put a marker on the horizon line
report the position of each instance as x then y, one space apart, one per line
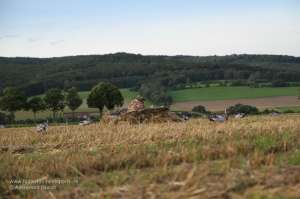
166 55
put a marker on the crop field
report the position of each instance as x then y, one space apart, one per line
286 102
224 93
254 157
185 99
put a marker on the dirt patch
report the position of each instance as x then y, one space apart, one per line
267 102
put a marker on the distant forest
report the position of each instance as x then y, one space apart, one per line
37 75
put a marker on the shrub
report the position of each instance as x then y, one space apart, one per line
237 83
289 111
268 111
199 109
279 84
241 108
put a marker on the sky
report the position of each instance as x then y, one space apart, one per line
52 28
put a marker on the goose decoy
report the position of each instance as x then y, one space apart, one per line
218 118
85 122
185 115
239 115
42 128
275 113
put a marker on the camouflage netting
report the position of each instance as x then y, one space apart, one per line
146 115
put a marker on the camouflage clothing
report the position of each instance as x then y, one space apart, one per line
135 105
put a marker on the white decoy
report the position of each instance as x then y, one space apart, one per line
42 128
274 114
219 118
85 122
239 115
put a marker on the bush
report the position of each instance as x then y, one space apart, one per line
237 83
268 111
199 109
279 84
289 111
254 85
241 108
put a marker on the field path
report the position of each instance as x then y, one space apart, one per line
266 102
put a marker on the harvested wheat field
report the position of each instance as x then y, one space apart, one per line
254 157
217 105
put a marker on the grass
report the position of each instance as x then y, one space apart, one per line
255 157
223 93
291 108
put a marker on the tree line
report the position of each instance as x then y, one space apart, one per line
103 95
37 75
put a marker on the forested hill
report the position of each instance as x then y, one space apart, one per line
36 75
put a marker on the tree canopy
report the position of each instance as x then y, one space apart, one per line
54 100
37 75
73 100
156 93
35 104
105 95
12 100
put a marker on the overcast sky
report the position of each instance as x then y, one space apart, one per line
47 28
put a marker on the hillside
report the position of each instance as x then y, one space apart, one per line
36 75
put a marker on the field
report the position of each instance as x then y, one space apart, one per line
281 103
187 98
225 93
218 98
255 157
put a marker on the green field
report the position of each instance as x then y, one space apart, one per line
224 93
193 94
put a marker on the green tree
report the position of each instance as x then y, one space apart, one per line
105 95
12 100
73 100
36 104
54 100
156 93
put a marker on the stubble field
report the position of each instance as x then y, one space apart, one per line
254 157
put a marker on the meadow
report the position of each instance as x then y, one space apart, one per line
193 95
254 157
